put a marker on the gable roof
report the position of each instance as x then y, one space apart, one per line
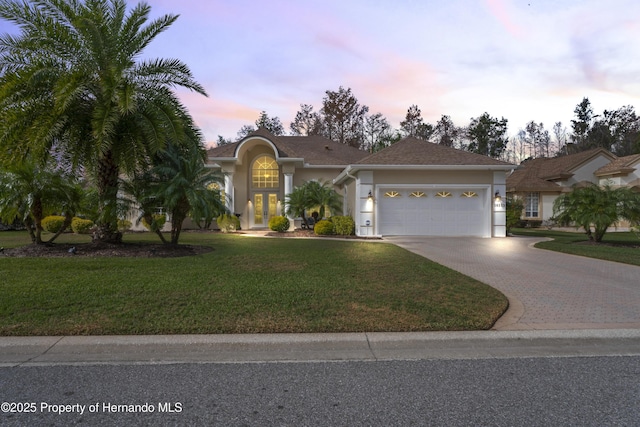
539 174
621 165
414 151
315 149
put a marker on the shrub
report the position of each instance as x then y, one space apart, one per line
158 222
514 212
81 226
228 222
52 223
279 224
124 225
323 228
344 225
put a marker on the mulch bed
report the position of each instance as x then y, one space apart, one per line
139 250
93 250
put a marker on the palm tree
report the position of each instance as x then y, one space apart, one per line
140 194
30 193
184 184
311 195
72 78
597 206
323 196
297 203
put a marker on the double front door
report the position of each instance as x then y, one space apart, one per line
265 206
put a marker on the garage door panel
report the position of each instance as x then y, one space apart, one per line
431 215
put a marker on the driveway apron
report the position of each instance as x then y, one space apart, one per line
546 290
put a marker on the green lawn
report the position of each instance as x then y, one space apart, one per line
620 246
245 285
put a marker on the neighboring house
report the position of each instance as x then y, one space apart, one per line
538 182
413 187
622 172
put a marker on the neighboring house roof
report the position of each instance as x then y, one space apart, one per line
620 166
414 151
539 174
315 149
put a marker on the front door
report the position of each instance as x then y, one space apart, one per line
265 205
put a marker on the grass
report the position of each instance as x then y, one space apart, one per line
619 246
245 285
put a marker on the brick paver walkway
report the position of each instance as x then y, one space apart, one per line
546 290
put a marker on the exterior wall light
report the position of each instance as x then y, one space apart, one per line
497 196
370 196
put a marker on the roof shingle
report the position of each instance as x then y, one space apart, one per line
315 150
414 151
538 174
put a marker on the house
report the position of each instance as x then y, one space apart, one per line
538 182
413 187
622 172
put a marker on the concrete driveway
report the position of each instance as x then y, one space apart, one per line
546 290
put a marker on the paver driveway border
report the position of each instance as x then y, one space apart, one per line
546 289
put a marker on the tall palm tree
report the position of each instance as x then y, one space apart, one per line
73 78
184 184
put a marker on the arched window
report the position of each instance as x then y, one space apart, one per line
265 173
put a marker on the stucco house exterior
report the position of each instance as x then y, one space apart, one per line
622 172
413 187
538 182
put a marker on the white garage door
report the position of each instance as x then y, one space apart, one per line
433 212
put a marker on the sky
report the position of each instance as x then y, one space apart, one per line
518 59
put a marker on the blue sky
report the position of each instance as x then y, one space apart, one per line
519 59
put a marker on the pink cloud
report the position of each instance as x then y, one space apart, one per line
500 11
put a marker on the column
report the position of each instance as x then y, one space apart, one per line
288 189
228 191
499 205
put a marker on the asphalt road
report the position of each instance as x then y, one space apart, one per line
540 391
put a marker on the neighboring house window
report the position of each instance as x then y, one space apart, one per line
265 173
531 205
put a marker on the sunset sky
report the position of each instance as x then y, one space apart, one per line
519 59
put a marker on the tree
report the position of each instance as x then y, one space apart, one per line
538 139
560 134
297 204
487 135
30 193
244 131
272 124
515 207
143 198
581 125
597 206
376 127
624 127
414 126
445 132
73 77
223 141
343 117
307 122
321 195
313 195
184 186
388 138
